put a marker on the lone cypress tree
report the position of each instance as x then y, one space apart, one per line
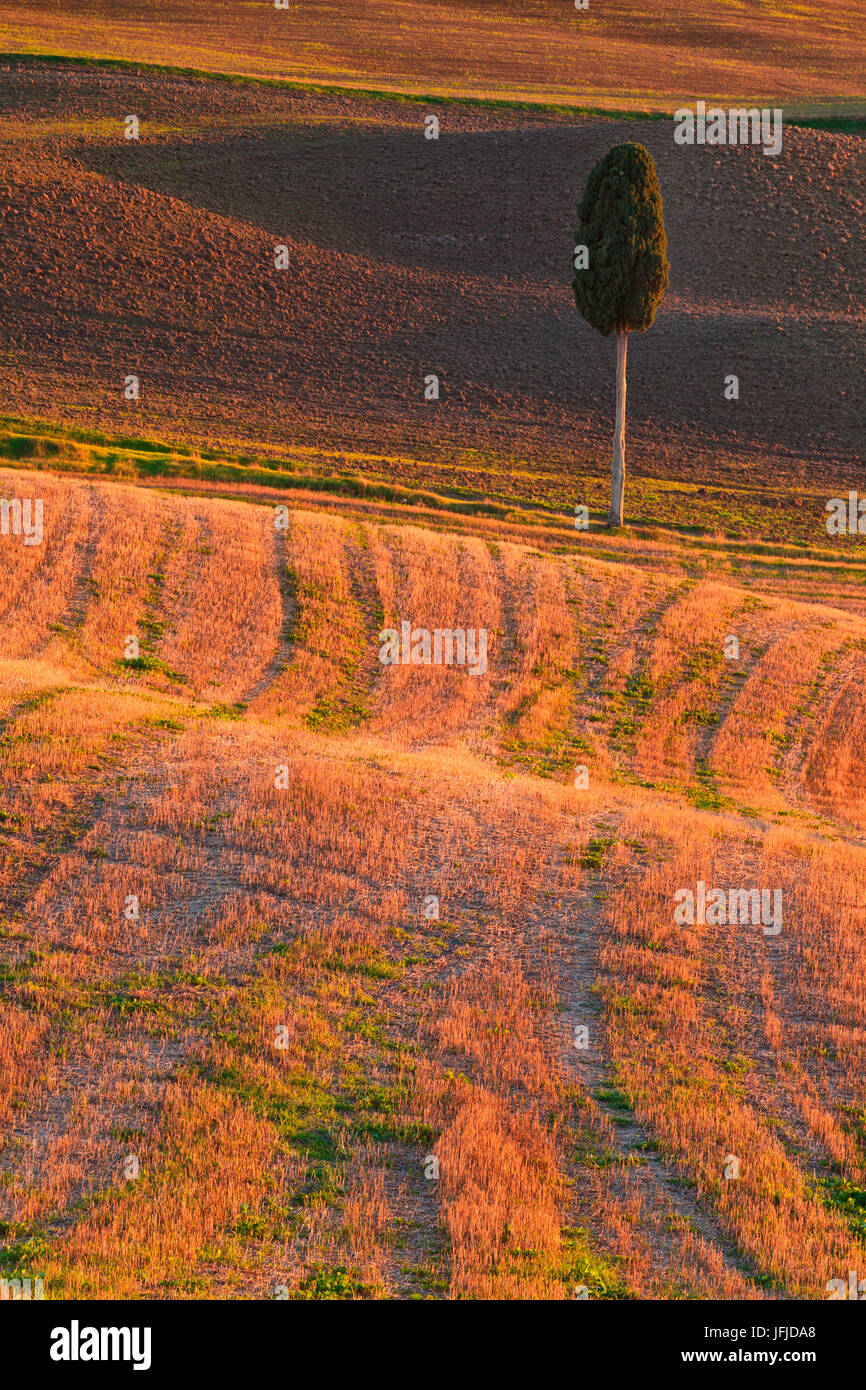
621 275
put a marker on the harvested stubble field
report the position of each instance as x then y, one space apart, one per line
240 1087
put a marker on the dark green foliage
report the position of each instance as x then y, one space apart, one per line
621 223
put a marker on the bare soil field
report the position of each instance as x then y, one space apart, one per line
156 258
618 54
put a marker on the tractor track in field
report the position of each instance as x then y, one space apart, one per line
285 646
664 1194
82 592
846 669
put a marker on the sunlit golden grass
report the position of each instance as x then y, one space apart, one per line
283 924
688 1066
537 701
610 58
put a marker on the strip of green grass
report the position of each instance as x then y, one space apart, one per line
836 122
38 445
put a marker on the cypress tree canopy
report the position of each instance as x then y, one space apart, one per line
621 223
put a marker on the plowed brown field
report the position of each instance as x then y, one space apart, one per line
409 256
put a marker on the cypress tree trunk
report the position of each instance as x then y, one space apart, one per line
618 472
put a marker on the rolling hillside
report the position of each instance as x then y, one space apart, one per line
282 924
618 54
155 258
406 891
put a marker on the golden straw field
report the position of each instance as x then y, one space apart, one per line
311 938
